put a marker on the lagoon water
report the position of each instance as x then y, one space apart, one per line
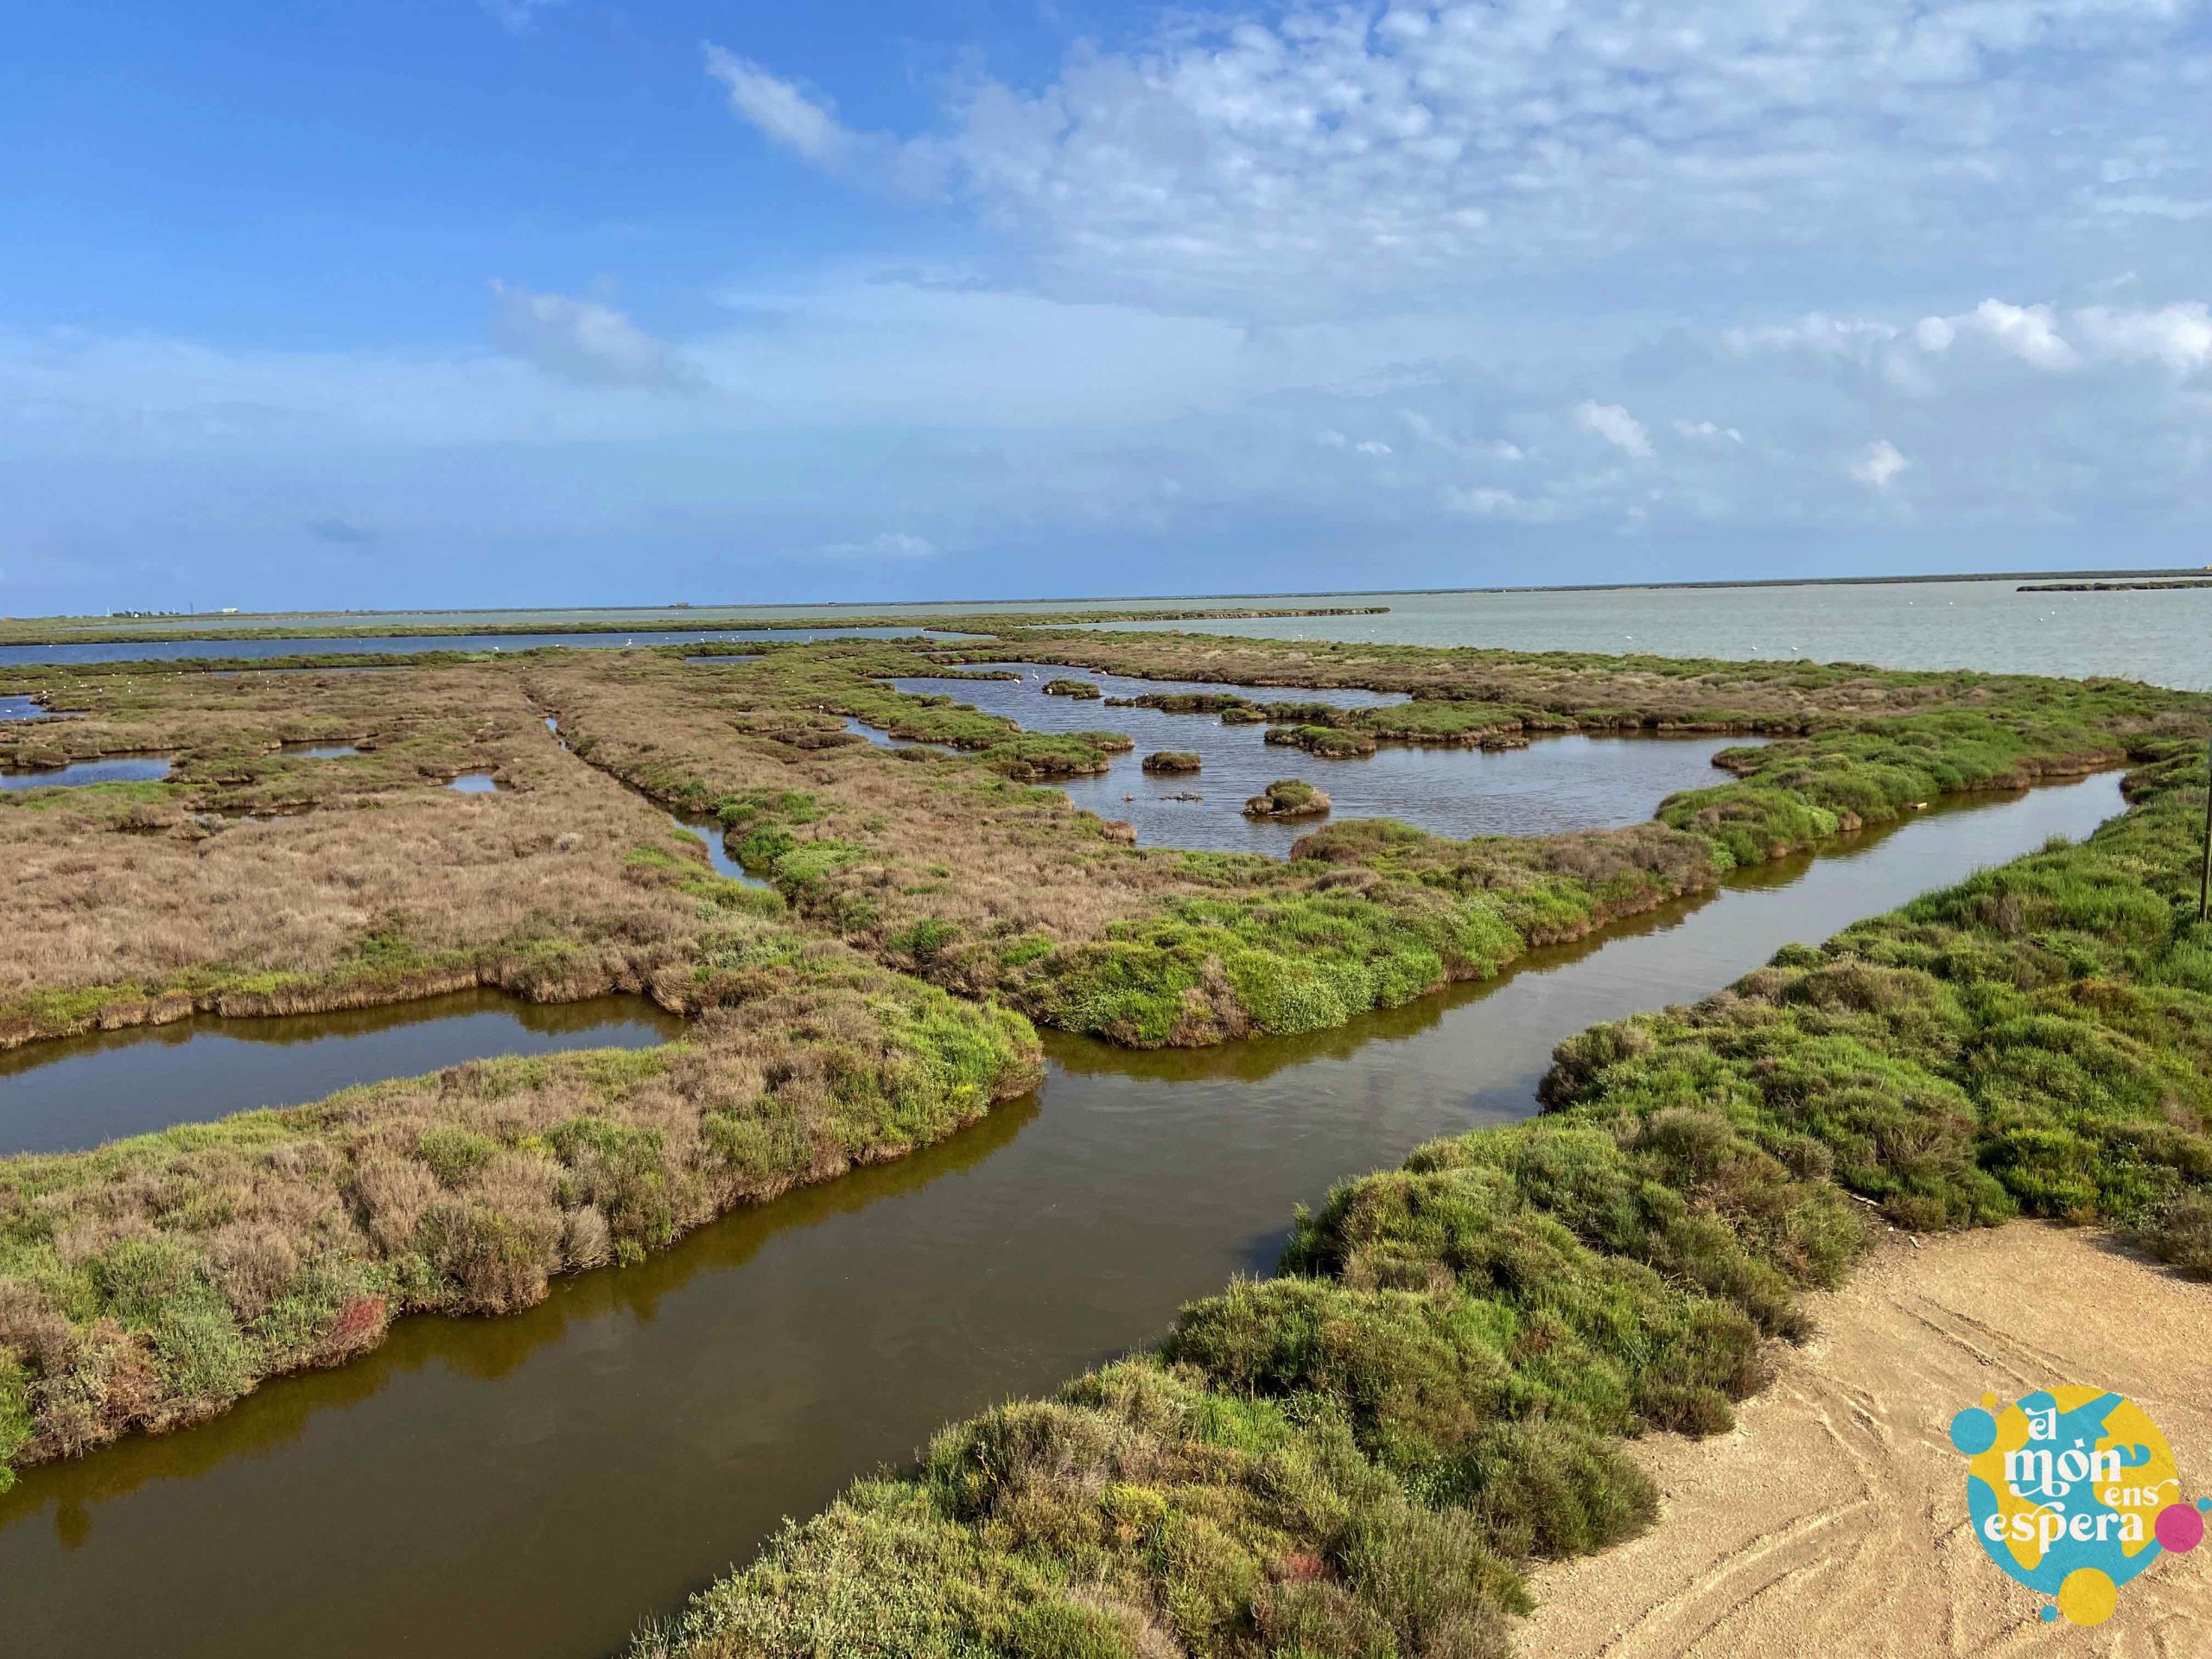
1556 783
2163 638
532 1485
215 646
80 1091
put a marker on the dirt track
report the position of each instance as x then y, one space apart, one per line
1834 1520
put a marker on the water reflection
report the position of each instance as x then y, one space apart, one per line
1556 783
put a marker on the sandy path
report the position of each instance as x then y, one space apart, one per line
1834 1520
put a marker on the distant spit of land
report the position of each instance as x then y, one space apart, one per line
2112 586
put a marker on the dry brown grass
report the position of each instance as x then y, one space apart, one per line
142 901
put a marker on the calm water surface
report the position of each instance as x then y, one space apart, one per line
118 769
2164 637
1556 783
2159 637
530 1486
80 1091
159 651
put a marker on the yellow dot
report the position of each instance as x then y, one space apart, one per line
2087 1597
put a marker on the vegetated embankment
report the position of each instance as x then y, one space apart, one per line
154 1281
1363 1456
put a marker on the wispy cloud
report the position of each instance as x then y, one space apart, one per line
1616 426
580 341
517 16
805 123
784 113
1879 467
890 545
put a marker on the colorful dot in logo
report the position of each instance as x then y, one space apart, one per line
2180 1526
2087 1597
1973 1431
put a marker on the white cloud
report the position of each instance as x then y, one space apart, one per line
1855 337
2178 336
1452 443
580 341
784 114
2027 332
2152 206
1616 426
1878 467
1935 334
891 544
517 16
1487 501
1707 432
1273 164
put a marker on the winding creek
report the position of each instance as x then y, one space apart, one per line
532 1485
78 1091
710 833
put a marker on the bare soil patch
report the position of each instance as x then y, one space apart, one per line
1833 1519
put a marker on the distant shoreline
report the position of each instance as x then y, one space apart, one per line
708 616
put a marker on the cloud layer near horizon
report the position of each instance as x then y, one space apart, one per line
1456 276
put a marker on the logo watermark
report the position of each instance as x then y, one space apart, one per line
2074 1492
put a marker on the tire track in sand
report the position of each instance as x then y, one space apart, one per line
1832 1519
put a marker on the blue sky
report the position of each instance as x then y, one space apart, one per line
492 302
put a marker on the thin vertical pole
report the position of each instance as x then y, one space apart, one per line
2204 881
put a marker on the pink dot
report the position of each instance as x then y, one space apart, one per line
2181 1528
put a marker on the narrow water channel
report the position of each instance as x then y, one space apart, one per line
118 769
711 834
532 1485
80 1091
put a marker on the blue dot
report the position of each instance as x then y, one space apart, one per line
2050 1615
2205 1502
1973 1431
